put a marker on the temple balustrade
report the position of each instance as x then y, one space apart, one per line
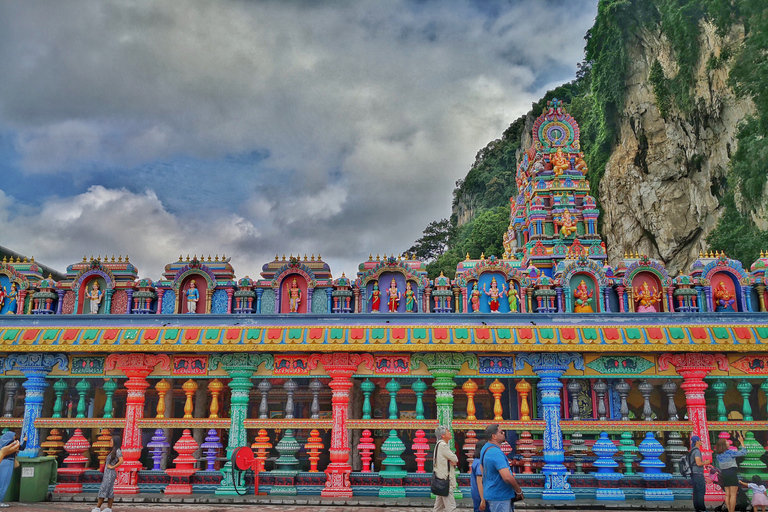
592 420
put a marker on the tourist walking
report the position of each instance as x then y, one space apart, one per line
726 461
9 448
476 479
111 463
444 466
697 474
500 489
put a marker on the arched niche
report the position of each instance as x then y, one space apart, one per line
485 283
654 288
201 283
385 282
285 293
725 292
84 303
10 294
592 289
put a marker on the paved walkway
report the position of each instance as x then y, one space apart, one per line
212 503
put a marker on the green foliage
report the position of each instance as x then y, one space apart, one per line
660 85
434 241
737 235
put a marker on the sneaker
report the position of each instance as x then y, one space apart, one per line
96 509
107 509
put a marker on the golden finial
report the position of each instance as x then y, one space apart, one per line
291 256
120 258
92 257
209 258
762 255
276 257
441 274
482 255
398 257
33 259
370 257
283 256
467 259
50 276
700 254
318 257
26 260
113 258
378 258
312 258
223 257
5 258
126 258
711 255
187 257
305 257
343 274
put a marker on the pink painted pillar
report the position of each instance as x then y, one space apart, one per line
693 367
620 290
230 292
136 367
340 367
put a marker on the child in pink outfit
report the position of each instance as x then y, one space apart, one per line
759 497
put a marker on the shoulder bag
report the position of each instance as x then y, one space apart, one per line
439 486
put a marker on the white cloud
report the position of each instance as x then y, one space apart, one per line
367 111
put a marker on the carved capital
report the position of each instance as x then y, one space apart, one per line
693 362
241 361
444 363
549 362
36 362
340 362
137 364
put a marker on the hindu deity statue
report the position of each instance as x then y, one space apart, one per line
2 296
294 296
560 162
475 299
583 297
508 242
647 299
192 297
724 299
513 298
394 296
375 298
410 298
494 294
95 296
10 297
567 224
581 165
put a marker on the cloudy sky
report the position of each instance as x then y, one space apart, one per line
254 128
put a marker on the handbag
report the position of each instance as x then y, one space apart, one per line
439 486
16 463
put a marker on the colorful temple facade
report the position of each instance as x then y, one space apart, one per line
338 383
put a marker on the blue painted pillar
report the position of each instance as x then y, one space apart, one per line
35 368
550 367
259 293
747 298
329 297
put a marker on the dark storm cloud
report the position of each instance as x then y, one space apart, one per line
349 121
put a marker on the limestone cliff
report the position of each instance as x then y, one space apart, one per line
661 190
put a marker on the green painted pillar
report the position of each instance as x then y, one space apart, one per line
719 387
367 387
109 389
744 387
287 465
83 387
393 448
60 387
444 367
240 367
419 387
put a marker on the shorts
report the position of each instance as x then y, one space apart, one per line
729 477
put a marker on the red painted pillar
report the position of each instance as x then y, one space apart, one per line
340 367
136 367
230 293
693 367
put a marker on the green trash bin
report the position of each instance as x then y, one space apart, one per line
37 473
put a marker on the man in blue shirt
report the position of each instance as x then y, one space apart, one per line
499 484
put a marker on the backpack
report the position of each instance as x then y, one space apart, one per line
684 465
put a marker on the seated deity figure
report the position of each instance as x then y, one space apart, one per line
375 298
513 298
294 296
647 300
494 294
394 296
567 224
475 299
2 296
581 165
583 297
95 296
192 297
724 299
10 296
560 163
410 298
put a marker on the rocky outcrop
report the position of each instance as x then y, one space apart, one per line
662 186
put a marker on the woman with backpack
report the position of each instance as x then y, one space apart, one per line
726 461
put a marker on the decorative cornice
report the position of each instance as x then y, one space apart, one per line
693 361
36 362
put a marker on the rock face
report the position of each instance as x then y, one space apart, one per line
661 189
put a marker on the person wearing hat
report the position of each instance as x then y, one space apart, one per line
697 475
